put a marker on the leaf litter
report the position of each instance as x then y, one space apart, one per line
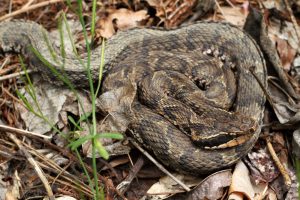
256 183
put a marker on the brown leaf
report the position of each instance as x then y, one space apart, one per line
286 53
235 15
212 187
242 187
122 19
167 186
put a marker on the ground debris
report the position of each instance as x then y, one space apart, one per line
256 177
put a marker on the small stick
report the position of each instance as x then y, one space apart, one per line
17 74
220 9
231 4
10 95
10 6
7 59
28 4
162 168
124 185
282 169
8 69
22 132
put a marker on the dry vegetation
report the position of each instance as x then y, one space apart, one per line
268 172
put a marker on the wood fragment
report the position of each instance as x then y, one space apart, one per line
282 169
17 74
22 132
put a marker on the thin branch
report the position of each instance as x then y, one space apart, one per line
17 74
28 4
282 169
220 9
32 7
21 132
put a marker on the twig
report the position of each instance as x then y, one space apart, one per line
283 171
10 6
10 95
8 69
231 4
220 9
124 185
21 132
32 7
9 76
36 167
28 4
162 168
7 59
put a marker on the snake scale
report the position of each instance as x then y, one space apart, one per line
198 106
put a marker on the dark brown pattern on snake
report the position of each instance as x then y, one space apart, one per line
198 107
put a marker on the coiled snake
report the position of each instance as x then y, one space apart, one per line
198 106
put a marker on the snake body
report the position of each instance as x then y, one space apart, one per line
198 106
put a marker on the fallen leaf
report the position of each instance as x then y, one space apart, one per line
212 187
286 53
50 102
242 187
262 161
234 15
126 19
122 19
116 104
167 186
241 183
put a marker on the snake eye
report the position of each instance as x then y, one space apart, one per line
202 84
244 127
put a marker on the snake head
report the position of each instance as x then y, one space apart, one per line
231 135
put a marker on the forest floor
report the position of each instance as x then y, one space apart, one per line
36 160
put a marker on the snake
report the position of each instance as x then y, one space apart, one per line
199 100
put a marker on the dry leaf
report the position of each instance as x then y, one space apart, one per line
234 15
50 101
126 19
262 161
167 186
116 104
286 53
242 187
212 187
122 18
241 183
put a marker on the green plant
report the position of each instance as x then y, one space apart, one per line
93 136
